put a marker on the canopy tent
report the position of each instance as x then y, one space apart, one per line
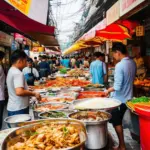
116 32
75 47
22 23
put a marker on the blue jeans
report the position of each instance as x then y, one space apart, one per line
22 111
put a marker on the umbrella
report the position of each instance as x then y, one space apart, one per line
131 25
114 32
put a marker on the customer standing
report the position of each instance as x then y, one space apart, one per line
2 88
30 73
96 69
124 76
18 102
44 67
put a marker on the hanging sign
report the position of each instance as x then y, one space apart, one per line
21 5
127 5
140 31
112 14
18 37
5 39
34 9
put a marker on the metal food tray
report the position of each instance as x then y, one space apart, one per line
13 135
37 112
90 99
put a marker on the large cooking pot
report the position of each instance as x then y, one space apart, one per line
96 131
13 136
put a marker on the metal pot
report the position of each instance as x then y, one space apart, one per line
97 136
97 132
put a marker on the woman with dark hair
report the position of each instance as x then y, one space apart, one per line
2 88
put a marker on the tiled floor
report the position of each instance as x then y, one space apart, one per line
130 143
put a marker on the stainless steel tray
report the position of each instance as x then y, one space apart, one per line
77 102
35 112
13 135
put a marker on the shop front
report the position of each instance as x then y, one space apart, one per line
5 46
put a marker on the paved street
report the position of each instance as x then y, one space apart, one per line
130 143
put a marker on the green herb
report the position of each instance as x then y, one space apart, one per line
141 99
65 131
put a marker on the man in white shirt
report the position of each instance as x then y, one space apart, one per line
18 102
30 73
2 88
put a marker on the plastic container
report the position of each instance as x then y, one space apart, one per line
144 118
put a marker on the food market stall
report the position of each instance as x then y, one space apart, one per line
61 107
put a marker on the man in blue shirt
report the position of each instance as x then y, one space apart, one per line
66 62
124 76
97 70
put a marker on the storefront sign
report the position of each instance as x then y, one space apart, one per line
140 31
5 39
21 5
113 13
18 37
127 5
34 9
38 49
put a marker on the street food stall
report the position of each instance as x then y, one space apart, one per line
71 109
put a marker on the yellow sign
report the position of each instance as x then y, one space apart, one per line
140 31
21 5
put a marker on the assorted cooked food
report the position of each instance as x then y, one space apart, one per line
46 137
145 82
90 94
87 116
76 73
56 99
49 107
64 82
53 114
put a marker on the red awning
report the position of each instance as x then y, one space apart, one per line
14 18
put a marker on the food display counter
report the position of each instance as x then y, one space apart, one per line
63 101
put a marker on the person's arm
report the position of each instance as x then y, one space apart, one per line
118 80
20 91
105 73
19 84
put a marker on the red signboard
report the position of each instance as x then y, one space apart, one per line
127 5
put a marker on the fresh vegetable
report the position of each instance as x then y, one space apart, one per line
141 99
63 70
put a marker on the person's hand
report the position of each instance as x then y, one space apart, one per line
106 92
38 96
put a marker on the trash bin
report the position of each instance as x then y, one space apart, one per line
144 118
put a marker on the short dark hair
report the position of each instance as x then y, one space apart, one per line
119 47
2 55
97 54
35 57
18 54
30 60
